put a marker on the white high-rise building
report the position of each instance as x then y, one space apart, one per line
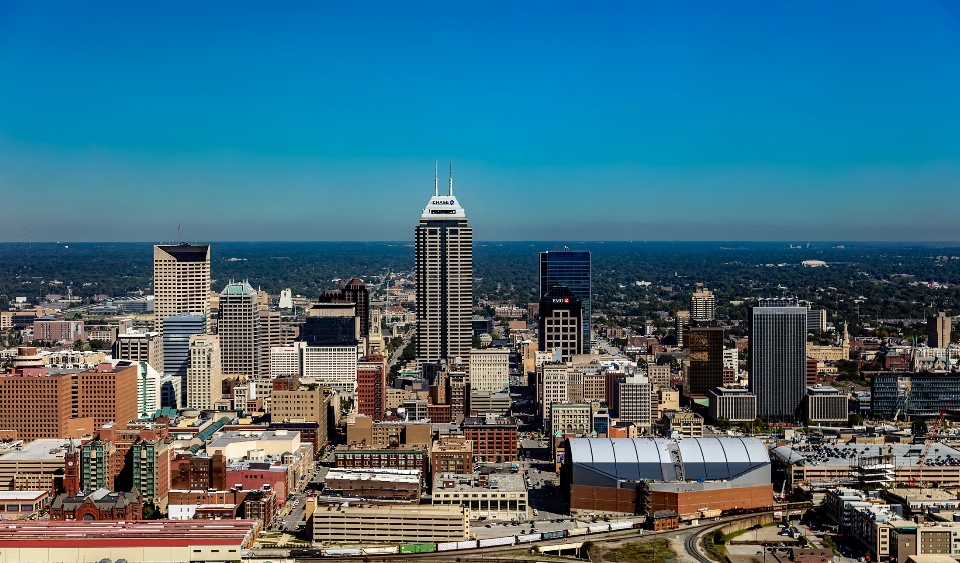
490 369
635 400
703 305
181 281
204 377
239 330
443 248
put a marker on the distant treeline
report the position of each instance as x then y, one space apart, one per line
862 282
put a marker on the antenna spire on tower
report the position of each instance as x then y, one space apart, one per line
436 172
451 177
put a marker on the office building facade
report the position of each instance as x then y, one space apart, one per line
177 330
239 330
571 269
778 358
181 281
204 376
355 291
703 358
489 369
560 323
443 257
734 404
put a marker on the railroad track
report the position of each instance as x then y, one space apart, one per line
690 545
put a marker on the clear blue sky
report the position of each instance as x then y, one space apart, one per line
593 121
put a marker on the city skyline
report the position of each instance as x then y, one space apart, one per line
774 122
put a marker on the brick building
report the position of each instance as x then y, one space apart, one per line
371 386
495 439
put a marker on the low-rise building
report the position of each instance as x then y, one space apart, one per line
366 457
498 496
390 524
732 404
826 405
684 424
400 486
155 541
97 505
452 455
16 505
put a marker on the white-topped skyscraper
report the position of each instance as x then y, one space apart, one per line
444 276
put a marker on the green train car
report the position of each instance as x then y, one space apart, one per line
418 547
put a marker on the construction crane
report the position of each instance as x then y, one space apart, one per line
929 443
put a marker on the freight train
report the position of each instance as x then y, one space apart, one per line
432 547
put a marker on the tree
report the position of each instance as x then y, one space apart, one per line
78 345
855 420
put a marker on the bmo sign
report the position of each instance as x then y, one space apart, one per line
561 300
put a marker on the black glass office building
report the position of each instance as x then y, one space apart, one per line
569 268
778 358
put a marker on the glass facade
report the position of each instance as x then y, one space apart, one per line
778 358
570 268
921 395
177 331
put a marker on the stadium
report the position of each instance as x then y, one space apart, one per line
645 475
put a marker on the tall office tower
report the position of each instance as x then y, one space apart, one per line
271 336
778 357
181 281
239 330
634 392
681 323
354 292
560 322
177 330
443 249
372 386
490 369
938 331
204 376
703 306
704 358
570 268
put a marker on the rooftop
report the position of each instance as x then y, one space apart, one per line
847 454
385 475
505 482
43 449
44 533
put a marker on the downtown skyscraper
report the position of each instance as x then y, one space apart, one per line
181 281
571 269
443 245
778 357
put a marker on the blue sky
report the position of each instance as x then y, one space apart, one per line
591 121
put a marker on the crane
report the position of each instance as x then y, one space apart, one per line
929 443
